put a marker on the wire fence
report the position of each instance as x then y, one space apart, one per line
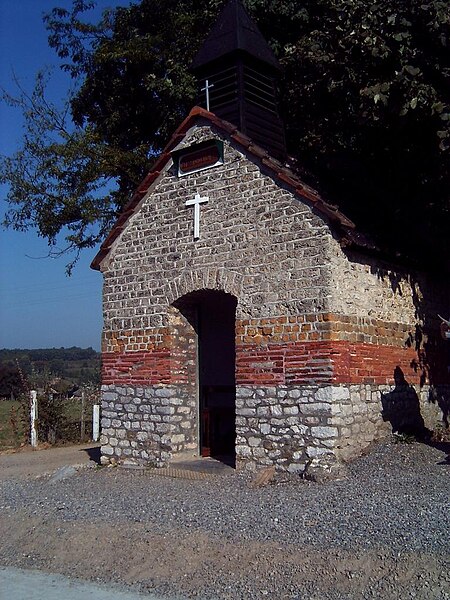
54 419
67 419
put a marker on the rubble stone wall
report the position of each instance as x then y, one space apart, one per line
285 426
147 425
319 332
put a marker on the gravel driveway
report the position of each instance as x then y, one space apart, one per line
381 532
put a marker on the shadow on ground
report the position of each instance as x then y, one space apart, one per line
93 453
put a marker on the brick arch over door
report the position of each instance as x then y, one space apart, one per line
221 279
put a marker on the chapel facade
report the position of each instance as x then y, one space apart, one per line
243 315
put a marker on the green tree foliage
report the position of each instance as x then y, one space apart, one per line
366 102
368 105
60 179
10 382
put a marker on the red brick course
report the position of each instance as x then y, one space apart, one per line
137 368
300 350
301 363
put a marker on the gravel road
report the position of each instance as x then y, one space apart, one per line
381 532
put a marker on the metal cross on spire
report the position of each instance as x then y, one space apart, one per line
206 89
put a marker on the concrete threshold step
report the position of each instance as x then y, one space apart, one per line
199 469
182 473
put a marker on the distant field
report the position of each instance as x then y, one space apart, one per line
7 437
64 368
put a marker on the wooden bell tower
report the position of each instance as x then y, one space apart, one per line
237 75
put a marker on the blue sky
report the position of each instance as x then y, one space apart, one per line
40 307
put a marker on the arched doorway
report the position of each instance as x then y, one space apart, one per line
212 314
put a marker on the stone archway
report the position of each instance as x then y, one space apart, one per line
212 315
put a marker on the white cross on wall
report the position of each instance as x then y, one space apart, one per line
195 202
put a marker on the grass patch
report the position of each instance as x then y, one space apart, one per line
11 435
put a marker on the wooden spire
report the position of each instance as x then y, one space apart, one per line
237 76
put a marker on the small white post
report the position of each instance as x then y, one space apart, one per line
95 422
83 407
33 418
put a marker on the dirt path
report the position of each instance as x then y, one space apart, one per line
196 564
33 463
220 538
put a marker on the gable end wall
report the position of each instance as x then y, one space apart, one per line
317 335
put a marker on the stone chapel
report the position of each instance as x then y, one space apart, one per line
246 317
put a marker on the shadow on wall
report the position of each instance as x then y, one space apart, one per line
401 407
430 295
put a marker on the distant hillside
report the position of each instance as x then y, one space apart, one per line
62 368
